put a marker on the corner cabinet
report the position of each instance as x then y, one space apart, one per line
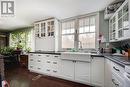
47 33
119 23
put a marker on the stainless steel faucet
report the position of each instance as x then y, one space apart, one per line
80 44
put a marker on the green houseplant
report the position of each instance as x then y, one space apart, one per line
7 50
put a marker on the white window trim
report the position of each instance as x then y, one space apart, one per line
76 18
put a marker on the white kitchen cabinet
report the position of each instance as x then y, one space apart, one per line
67 69
46 35
36 62
45 64
76 67
108 73
117 81
40 62
97 71
48 62
45 44
31 62
82 71
56 65
119 23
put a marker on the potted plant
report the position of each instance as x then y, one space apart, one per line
6 50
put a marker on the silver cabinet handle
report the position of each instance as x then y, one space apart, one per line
31 66
47 55
39 55
39 68
116 69
31 54
38 60
31 59
55 71
47 70
113 80
56 56
54 62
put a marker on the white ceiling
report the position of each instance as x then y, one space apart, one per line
28 11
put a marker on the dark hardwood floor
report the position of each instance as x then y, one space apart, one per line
21 77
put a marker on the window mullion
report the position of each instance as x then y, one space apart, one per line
76 39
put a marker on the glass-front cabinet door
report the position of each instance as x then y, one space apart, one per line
126 16
123 21
50 28
43 29
112 28
37 29
119 23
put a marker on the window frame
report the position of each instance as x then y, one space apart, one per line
76 34
68 34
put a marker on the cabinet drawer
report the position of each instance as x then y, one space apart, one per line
31 67
117 69
31 55
55 72
117 81
40 55
86 58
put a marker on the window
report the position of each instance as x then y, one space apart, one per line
85 35
87 32
23 37
68 30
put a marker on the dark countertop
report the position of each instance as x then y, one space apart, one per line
47 52
121 60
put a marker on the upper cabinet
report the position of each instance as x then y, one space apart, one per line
45 28
119 23
47 33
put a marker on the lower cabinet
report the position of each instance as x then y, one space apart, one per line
44 64
67 69
87 72
82 71
108 73
76 71
97 71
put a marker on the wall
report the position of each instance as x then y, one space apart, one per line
103 27
4 39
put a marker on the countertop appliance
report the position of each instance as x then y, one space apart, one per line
127 76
